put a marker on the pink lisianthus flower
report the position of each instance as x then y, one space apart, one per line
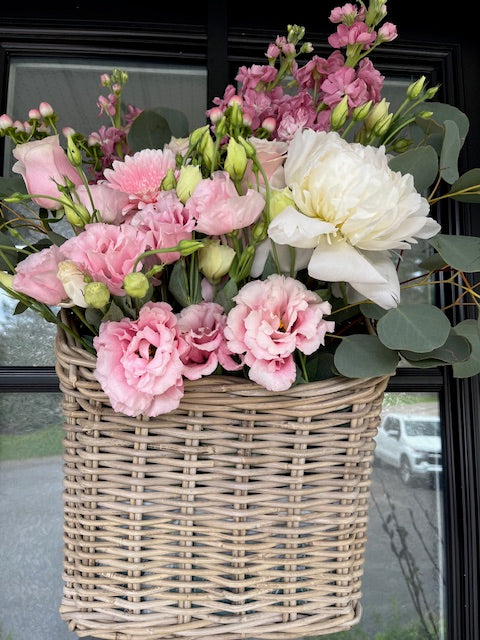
203 345
217 207
141 174
42 164
138 362
106 252
109 202
36 276
164 223
271 319
271 155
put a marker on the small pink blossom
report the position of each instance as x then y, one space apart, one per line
217 207
34 114
106 252
109 202
141 174
203 345
372 78
357 33
348 13
138 362
164 223
46 109
272 52
36 276
252 77
344 82
271 318
387 32
5 122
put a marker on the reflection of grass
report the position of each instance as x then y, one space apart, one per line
36 444
5 637
394 399
413 631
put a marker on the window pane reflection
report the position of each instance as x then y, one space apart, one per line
404 579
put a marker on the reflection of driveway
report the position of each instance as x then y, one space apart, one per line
31 550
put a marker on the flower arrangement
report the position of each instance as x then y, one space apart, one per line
266 244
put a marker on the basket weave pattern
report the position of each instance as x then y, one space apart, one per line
242 514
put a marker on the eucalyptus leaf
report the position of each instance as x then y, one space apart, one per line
114 313
460 252
178 283
269 267
8 186
20 308
471 367
421 162
9 256
149 130
226 294
456 349
414 327
429 126
469 181
371 310
433 262
443 112
450 152
321 366
363 356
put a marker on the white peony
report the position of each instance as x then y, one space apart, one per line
352 209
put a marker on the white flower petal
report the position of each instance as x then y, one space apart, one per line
302 257
298 230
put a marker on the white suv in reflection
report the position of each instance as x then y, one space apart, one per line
411 444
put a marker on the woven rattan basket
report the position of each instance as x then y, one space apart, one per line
242 514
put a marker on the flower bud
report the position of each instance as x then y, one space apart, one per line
379 110
259 231
73 281
416 88
362 111
280 199
169 181
104 79
207 149
425 114
34 114
6 280
215 259
339 114
46 109
186 247
76 214
269 124
73 153
381 127
96 295
236 114
249 148
401 145
430 93
190 176
136 284
68 131
5 122
216 114
236 160
198 134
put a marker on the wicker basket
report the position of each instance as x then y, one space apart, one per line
242 514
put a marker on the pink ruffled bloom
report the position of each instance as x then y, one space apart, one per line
164 223
345 82
141 174
217 207
357 33
257 74
271 319
387 32
372 78
36 276
109 202
106 253
271 155
201 327
138 362
347 12
42 164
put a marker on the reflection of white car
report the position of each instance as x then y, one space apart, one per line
411 444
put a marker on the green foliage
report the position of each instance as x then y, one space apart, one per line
36 444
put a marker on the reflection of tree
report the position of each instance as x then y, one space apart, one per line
27 412
398 536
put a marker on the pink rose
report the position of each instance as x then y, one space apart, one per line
201 328
105 252
36 276
41 164
271 319
138 362
164 223
217 207
108 201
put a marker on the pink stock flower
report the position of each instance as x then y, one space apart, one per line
164 223
138 362
109 202
257 74
348 12
272 318
36 276
42 164
201 328
372 78
106 252
357 33
387 32
344 82
217 207
141 174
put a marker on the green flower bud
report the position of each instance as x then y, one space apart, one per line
136 284
6 280
215 259
430 93
379 110
190 176
425 114
207 149
17 197
236 114
280 199
259 231
249 148
362 111
186 247
197 135
381 127
401 145
416 88
73 153
236 160
339 114
169 181
96 295
76 214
